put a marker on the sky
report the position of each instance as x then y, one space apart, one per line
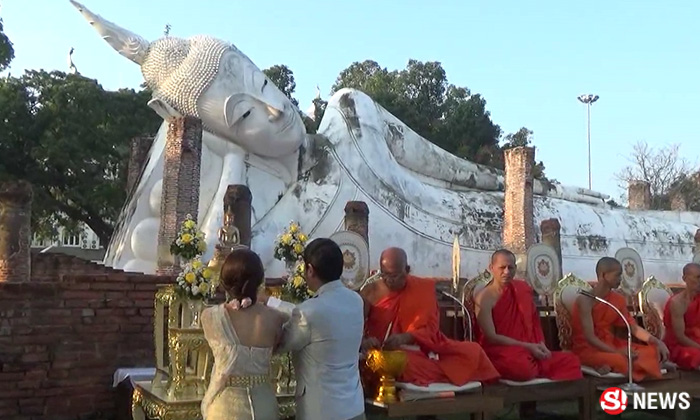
530 60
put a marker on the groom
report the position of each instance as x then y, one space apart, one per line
324 335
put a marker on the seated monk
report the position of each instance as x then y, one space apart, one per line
682 321
599 335
404 309
510 330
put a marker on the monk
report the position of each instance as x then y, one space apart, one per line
510 329
599 335
682 321
403 308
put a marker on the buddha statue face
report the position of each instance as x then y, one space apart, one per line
258 116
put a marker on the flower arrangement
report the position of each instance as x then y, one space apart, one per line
289 245
195 280
189 242
296 289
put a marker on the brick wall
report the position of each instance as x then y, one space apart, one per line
65 332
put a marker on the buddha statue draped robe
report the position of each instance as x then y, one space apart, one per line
685 357
605 320
433 358
516 316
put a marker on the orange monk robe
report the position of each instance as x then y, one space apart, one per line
414 310
685 357
605 319
516 316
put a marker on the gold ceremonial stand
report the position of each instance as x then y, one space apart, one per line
183 367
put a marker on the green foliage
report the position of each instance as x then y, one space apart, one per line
283 78
7 53
522 138
70 138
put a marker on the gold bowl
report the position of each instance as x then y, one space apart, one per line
389 365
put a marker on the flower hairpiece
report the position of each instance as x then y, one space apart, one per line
236 304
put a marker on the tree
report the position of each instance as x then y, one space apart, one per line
70 138
664 169
420 96
523 138
7 53
283 78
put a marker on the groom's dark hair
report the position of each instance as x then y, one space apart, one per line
325 257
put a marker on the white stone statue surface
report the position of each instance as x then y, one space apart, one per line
419 195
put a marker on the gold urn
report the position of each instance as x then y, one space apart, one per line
389 365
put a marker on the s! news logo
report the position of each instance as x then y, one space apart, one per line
614 401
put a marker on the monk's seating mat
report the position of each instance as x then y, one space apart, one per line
440 387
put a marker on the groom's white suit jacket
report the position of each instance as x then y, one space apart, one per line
324 334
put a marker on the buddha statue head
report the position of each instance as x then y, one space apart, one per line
212 80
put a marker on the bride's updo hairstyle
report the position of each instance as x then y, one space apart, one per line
242 273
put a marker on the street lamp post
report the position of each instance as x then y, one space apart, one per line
589 100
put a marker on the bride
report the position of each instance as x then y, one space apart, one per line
242 337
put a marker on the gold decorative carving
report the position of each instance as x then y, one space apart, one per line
190 362
156 407
562 312
652 316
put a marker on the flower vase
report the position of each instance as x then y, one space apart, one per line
195 306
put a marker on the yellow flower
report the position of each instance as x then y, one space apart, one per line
298 248
202 246
196 264
298 281
189 224
186 238
293 227
302 237
286 239
206 273
190 277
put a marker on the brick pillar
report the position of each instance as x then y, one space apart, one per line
15 231
238 200
138 153
518 217
357 218
181 166
639 195
551 235
678 202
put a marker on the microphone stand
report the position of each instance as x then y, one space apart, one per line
630 386
464 311
370 280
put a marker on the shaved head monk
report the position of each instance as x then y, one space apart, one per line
682 321
599 335
403 308
510 328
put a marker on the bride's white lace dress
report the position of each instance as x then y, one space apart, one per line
240 388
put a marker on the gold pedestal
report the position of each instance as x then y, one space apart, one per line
387 390
154 403
389 365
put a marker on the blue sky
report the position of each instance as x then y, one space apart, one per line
529 59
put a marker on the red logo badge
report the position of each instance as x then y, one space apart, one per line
613 401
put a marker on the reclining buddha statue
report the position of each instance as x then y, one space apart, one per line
419 195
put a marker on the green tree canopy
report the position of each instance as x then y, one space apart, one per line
420 95
283 78
7 53
70 138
